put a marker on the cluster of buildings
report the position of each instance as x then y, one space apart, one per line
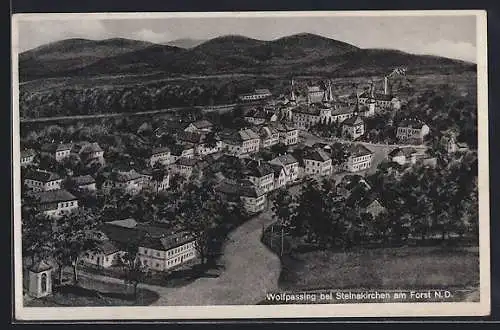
320 106
159 248
200 148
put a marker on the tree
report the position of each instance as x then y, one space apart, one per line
200 214
135 271
74 234
339 153
210 140
282 207
279 149
36 230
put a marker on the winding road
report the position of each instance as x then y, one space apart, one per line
250 271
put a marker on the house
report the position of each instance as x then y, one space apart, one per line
106 255
381 100
353 128
360 158
27 157
412 131
199 141
160 155
372 206
305 116
155 181
404 155
288 135
184 166
41 180
242 142
290 164
85 182
341 112
56 203
185 150
170 127
280 175
315 94
88 152
258 94
199 126
161 252
261 174
159 248
254 199
259 115
453 146
57 150
129 181
269 136
317 162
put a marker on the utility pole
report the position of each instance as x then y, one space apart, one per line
282 238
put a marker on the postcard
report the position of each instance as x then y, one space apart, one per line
250 165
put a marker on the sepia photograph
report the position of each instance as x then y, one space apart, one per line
250 165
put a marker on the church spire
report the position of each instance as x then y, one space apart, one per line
330 93
292 93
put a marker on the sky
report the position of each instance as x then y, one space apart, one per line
448 36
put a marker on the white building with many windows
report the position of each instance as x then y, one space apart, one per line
288 135
160 155
261 174
412 131
41 180
159 248
56 203
242 142
317 162
360 158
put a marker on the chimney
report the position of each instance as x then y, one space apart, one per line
386 87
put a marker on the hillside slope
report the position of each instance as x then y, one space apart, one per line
300 53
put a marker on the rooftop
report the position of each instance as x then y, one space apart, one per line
202 124
317 155
258 169
185 161
53 147
27 153
54 196
159 150
411 123
354 120
42 176
286 159
191 137
358 150
84 179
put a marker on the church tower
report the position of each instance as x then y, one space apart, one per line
292 93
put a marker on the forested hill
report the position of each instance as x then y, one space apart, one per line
303 52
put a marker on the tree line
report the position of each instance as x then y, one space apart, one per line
421 203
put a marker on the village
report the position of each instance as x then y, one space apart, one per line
280 146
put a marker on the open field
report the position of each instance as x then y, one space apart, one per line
382 268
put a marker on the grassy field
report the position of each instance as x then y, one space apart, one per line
95 293
382 268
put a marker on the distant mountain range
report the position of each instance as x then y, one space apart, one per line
185 43
305 53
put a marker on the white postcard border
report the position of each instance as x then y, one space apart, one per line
265 311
